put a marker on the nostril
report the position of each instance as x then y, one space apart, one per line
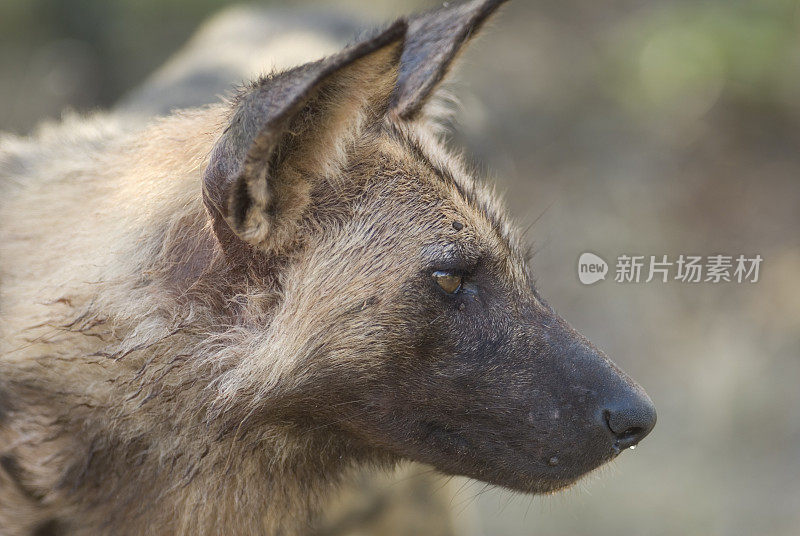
630 422
631 433
636 430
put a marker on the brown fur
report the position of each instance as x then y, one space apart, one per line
168 366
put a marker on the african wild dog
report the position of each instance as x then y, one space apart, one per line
207 321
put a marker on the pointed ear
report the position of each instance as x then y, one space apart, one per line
433 41
287 128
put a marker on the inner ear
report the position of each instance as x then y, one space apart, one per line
288 128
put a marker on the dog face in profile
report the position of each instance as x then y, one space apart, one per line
413 325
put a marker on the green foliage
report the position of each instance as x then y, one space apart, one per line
684 57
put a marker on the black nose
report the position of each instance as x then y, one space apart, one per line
630 418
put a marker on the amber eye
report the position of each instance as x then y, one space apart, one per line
449 281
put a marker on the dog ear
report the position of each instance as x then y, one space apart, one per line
286 129
433 41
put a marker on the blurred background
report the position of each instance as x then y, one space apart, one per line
620 127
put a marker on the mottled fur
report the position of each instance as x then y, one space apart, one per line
173 362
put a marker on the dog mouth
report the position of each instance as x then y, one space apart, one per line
449 440
453 452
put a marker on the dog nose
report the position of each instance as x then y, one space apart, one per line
630 418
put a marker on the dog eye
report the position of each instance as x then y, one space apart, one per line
450 282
